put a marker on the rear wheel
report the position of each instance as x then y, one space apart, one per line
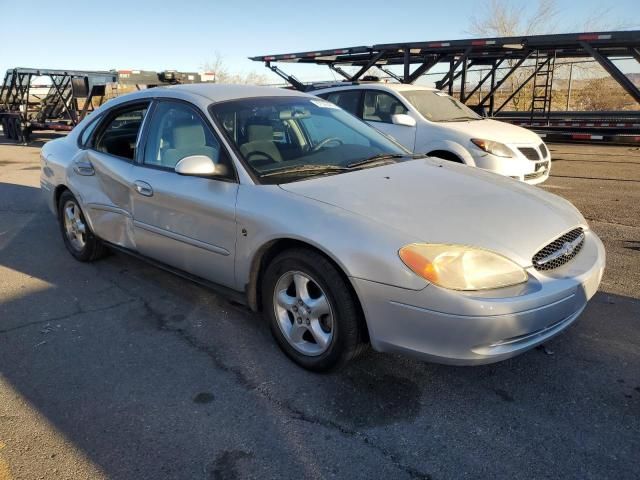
77 236
311 311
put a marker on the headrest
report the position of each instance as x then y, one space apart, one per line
188 134
258 132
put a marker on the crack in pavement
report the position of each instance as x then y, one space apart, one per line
251 386
79 311
263 392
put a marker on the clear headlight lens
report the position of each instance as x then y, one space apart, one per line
459 267
494 148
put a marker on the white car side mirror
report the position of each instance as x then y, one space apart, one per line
403 119
200 166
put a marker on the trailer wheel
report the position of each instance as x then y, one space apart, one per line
11 129
17 129
5 128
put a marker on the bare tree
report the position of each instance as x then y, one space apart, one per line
510 18
223 75
505 18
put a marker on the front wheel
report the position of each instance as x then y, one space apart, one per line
77 236
311 310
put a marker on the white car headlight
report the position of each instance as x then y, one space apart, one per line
494 148
458 267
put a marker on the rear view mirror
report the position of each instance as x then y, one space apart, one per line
403 119
200 166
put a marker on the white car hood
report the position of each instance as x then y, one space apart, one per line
442 202
494 130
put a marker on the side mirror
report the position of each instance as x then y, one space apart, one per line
403 119
200 166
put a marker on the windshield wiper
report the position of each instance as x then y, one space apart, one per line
457 119
304 168
378 158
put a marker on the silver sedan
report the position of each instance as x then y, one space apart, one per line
337 234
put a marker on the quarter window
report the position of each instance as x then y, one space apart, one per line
177 131
380 106
120 135
88 131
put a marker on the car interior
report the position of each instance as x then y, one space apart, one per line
180 133
119 137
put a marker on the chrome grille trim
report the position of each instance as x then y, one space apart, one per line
560 251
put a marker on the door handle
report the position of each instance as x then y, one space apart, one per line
143 188
83 167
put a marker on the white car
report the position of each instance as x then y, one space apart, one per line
426 120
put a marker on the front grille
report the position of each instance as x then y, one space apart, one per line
543 150
560 251
530 152
541 170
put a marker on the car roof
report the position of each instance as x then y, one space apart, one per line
398 87
215 92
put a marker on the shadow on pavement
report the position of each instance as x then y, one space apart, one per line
151 376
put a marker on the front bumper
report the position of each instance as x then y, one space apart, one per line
519 167
469 328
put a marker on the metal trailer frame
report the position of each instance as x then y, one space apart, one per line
69 100
499 54
71 96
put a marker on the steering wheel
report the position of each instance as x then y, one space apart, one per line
263 156
327 141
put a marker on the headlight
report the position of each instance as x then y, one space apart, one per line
459 267
494 148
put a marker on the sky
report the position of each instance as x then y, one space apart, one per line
186 34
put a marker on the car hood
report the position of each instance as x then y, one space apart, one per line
503 132
442 202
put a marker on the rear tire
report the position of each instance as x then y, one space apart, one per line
78 237
311 310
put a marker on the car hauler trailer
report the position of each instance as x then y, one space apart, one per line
71 95
496 60
38 99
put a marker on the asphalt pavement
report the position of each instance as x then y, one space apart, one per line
119 370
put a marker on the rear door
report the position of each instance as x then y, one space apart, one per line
184 221
105 163
378 107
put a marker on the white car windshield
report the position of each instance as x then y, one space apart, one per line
284 139
437 106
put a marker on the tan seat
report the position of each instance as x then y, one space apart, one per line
260 145
188 139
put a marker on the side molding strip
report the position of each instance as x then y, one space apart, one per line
182 238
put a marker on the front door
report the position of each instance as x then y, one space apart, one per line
377 110
186 222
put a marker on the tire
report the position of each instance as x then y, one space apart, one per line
78 237
5 128
300 327
11 129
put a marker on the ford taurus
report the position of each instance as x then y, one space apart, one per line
340 236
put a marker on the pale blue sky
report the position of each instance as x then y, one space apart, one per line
184 35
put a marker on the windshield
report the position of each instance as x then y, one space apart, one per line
284 139
437 106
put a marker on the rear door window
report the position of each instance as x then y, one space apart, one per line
348 100
119 136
